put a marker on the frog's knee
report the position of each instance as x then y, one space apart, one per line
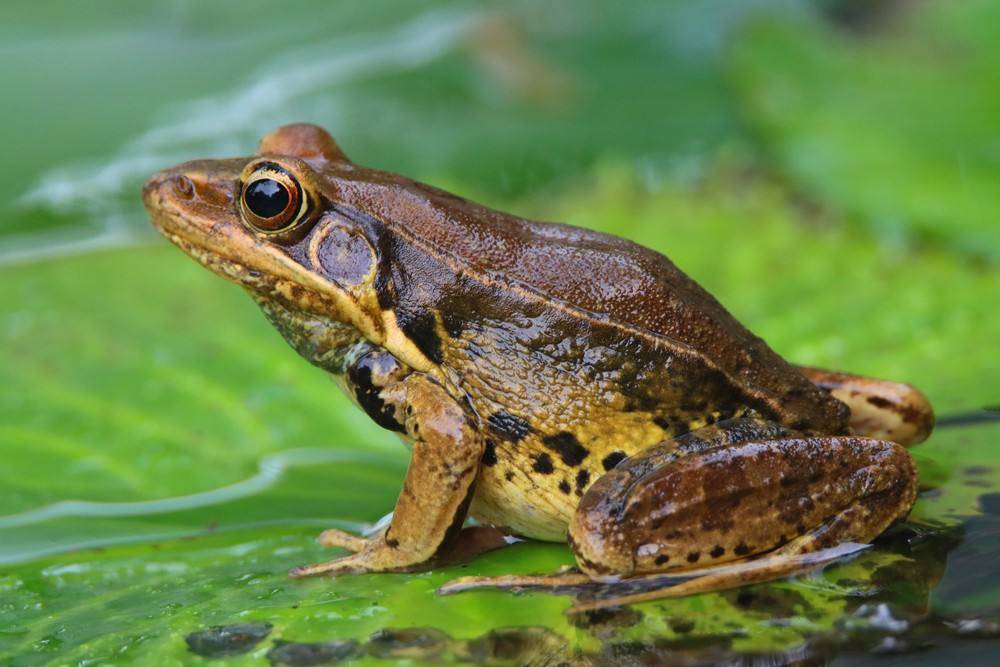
610 532
600 549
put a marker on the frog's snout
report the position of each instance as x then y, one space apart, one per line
188 201
164 185
198 185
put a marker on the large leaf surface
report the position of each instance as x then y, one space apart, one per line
166 458
138 379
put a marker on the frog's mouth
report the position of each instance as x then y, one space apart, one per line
192 206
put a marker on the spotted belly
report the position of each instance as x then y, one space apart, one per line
530 484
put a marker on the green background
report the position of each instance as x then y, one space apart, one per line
830 171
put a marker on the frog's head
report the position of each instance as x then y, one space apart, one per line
271 224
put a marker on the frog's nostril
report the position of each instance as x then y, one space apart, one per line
166 182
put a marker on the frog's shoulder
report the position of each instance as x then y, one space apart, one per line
593 275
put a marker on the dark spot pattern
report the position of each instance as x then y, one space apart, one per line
490 453
602 620
693 556
681 625
296 654
220 641
508 426
543 464
359 375
453 323
741 549
662 559
421 329
613 459
716 551
879 402
582 480
663 423
564 487
567 447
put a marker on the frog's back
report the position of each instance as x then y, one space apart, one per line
601 281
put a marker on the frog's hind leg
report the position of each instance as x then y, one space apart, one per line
743 491
779 507
733 502
779 565
879 408
842 535
722 434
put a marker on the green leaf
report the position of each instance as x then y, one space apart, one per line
167 459
898 131
506 99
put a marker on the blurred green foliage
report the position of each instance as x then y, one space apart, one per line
897 128
148 410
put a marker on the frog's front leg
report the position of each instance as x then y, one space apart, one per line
430 510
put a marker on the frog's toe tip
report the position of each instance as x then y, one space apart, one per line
312 570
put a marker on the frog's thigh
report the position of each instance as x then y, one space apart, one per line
879 408
728 503
439 482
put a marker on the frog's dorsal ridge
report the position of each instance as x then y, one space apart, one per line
640 290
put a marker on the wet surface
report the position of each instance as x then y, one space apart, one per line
295 654
423 643
926 586
887 610
873 631
983 416
221 641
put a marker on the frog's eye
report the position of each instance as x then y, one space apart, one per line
272 200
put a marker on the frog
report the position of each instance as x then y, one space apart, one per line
552 382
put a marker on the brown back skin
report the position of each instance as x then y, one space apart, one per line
439 249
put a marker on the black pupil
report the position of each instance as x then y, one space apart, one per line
266 198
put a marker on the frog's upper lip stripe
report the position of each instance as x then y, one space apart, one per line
221 246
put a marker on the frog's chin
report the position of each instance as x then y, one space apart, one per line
331 304
256 282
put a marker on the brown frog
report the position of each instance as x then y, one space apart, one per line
554 382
